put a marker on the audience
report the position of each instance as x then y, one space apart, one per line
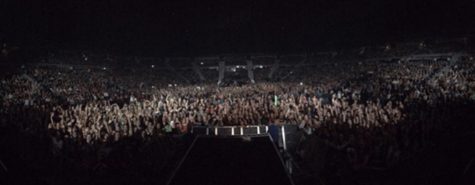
368 109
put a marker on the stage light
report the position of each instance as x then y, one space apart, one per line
202 63
388 47
153 66
301 83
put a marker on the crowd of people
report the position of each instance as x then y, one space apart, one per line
368 109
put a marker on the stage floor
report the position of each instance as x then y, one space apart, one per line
231 161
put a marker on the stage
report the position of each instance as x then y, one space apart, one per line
231 161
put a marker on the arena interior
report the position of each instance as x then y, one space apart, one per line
324 92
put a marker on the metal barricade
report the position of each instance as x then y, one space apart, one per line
250 130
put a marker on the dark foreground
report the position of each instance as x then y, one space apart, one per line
231 161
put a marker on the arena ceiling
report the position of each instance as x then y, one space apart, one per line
190 27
